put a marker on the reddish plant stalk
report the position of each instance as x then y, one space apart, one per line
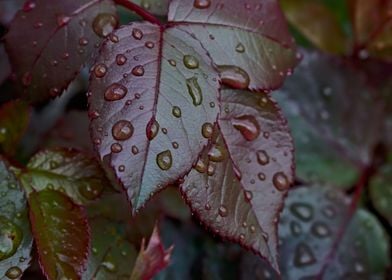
138 10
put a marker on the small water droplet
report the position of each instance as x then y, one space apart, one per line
90 191
223 211
194 91
211 169
329 212
175 145
121 59
116 148
122 130
54 91
104 24
202 4
135 150
302 211
83 41
28 6
100 70
200 166
207 207
176 111
303 255
137 34
280 181
138 71
248 126
295 228
320 229
38 25
164 160
248 195
261 176
191 62
110 266
217 153
149 44
13 272
152 129
234 77
115 92
240 48
173 62
262 157
207 130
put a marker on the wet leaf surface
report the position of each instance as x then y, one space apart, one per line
67 171
61 232
15 235
59 38
238 185
157 7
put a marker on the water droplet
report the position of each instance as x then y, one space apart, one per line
114 38
207 130
121 59
176 112
121 168
320 229
172 62
234 77
302 211
248 126
100 70
54 91
135 150
116 148
194 91
202 4
111 267
165 160
83 41
211 169
303 255
91 191
252 229
115 92
329 212
248 195
217 153
62 20
137 34
122 130
280 181
13 272
223 211
28 6
10 238
200 166
262 157
152 129
240 48
295 228
104 24
175 145
149 44
38 25
191 62
138 71
261 176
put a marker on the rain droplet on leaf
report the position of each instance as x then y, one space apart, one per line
280 181
104 24
13 272
165 160
10 238
122 130
302 211
115 92
191 62
152 129
248 126
194 91
234 77
303 255
176 111
202 4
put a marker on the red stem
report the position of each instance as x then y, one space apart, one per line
139 10
363 181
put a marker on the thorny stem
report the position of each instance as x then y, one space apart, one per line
367 173
138 10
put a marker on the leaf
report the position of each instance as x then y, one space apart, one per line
61 232
8 9
238 186
14 120
251 50
5 68
151 259
58 39
157 7
68 171
147 115
330 106
311 222
319 25
15 235
111 255
381 192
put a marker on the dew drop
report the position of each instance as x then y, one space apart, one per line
194 91
54 91
223 211
13 272
175 145
262 157
176 111
121 59
137 34
104 24
295 228
303 255
62 20
202 4
116 148
302 211
115 92
164 160
261 176
217 153
234 77
100 70
38 25
122 130
10 238
240 48
191 62
211 169
138 71
91 192
135 150
172 62
200 166
152 129
280 181
28 6
207 207
109 266
83 41
320 229
149 44
207 130
248 126
248 195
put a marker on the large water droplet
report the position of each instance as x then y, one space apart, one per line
302 211
202 4
234 77
248 126
13 272
138 71
104 24
191 62
122 130
217 153
262 157
115 92
152 129
100 70
121 59
165 160
10 238
280 181
194 91
303 255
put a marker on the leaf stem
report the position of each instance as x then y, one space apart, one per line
138 10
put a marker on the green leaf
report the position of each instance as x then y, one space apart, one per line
238 185
152 259
61 232
66 170
14 120
15 235
317 23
